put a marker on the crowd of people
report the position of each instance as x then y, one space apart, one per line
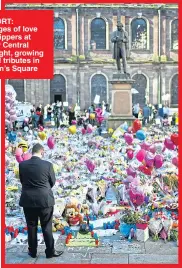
150 112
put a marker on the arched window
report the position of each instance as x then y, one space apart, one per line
58 88
138 34
18 86
59 33
99 87
174 34
98 33
174 90
140 85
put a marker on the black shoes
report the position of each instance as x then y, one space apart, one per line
55 254
32 255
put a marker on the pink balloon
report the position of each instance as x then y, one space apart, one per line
12 112
149 159
84 131
27 156
152 149
19 159
18 152
128 138
26 119
130 130
131 171
6 144
158 161
169 144
140 155
13 118
89 130
51 142
73 122
41 128
175 161
130 154
8 106
145 146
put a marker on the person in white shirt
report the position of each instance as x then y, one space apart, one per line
136 110
166 111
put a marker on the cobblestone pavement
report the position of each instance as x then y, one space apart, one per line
112 251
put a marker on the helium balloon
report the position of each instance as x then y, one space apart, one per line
23 145
92 116
72 129
140 134
51 142
35 133
158 161
41 128
130 154
128 138
18 152
140 155
89 129
27 156
130 130
175 161
174 138
131 171
74 122
26 120
169 144
42 135
152 149
145 170
12 112
136 125
13 118
12 136
149 159
19 159
84 131
26 129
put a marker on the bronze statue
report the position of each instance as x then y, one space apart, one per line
121 49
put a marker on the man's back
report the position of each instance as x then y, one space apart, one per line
37 178
146 111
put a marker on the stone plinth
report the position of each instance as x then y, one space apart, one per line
121 101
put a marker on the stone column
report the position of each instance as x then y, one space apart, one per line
121 101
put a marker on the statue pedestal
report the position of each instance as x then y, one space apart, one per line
121 101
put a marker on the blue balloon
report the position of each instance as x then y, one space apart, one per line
12 136
140 134
35 133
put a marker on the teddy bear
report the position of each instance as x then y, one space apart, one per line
58 224
73 216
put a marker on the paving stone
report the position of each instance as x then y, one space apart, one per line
41 249
19 258
109 258
151 258
161 248
88 249
128 247
66 258
13 248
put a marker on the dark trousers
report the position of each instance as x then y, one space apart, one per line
144 120
45 215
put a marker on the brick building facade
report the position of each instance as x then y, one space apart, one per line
83 63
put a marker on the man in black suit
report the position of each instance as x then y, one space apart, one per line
37 178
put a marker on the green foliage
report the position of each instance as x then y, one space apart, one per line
131 217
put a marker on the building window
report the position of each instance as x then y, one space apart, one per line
174 90
174 34
140 85
138 34
58 88
18 86
59 33
99 87
98 33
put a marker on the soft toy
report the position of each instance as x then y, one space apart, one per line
58 225
85 209
59 208
73 217
23 145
